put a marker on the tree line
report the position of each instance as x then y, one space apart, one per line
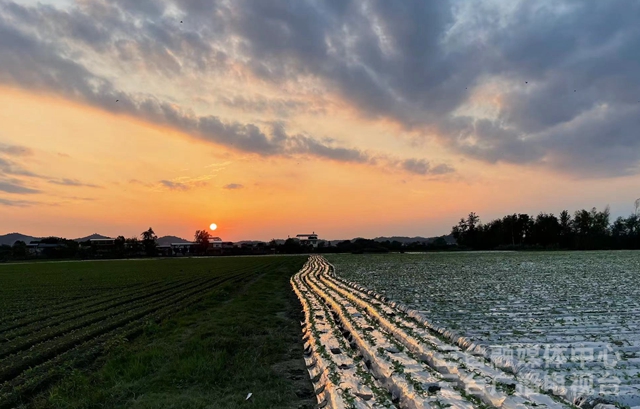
358 246
582 230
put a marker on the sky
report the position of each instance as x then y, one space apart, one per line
346 118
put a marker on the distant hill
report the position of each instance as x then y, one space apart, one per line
94 236
163 241
407 240
253 242
9 239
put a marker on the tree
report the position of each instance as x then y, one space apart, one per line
202 238
5 252
587 229
119 246
472 221
566 230
459 232
546 230
132 246
633 231
19 249
439 243
149 242
292 246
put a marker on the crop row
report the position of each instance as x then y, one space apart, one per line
54 317
39 368
98 317
49 310
13 365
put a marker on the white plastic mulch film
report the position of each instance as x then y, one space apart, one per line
566 323
361 351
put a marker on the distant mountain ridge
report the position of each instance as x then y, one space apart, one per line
408 240
94 236
9 239
164 240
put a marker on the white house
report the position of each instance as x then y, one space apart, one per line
308 239
216 242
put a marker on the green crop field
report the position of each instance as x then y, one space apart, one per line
184 333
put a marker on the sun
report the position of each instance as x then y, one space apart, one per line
213 226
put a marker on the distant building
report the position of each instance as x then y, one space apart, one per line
254 248
102 242
103 245
164 250
35 248
308 239
183 249
215 242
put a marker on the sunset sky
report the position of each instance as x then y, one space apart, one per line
347 118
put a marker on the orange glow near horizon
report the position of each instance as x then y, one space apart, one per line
132 175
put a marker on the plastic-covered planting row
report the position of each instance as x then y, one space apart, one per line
527 385
512 295
459 288
410 383
416 366
472 374
519 314
340 378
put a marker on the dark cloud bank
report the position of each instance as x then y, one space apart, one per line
569 70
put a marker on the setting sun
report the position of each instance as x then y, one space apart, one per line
213 226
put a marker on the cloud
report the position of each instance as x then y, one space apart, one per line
234 186
16 186
139 182
15 150
420 62
28 61
184 183
174 185
82 199
424 64
9 167
280 106
420 167
442 169
72 182
17 203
